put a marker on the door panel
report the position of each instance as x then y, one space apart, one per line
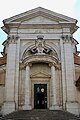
40 96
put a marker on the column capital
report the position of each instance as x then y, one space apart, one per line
57 66
12 39
67 38
23 65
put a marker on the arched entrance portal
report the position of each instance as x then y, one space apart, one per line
40 74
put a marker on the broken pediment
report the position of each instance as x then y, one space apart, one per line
40 75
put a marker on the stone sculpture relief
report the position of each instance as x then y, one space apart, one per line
40 47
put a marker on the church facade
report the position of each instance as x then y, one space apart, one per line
40 67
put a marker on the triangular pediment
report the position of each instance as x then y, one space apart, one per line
38 14
40 75
39 20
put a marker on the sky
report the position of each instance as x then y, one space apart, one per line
9 8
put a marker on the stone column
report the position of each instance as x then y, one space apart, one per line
53 101
71 104
9 104
27 105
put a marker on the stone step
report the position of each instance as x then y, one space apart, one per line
40 115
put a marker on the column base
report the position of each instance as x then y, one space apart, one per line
72 107
8 107
27 107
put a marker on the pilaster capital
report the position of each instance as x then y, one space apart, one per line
67 38
23 65
12 39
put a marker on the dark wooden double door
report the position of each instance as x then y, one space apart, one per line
40 96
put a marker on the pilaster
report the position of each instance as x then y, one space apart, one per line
17 74
9 104
69 75
63 73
